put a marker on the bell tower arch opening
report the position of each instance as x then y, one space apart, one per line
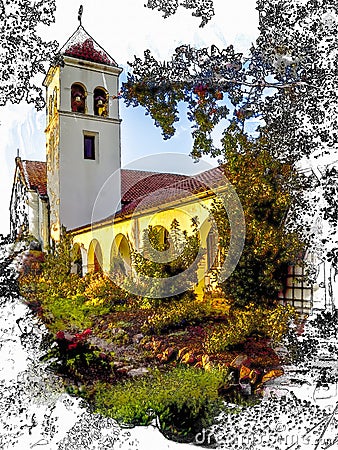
78 98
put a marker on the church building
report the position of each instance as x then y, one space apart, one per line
82 187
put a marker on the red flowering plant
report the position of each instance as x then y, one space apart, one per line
68 341
79 359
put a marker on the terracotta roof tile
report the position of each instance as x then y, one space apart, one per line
35 175
140 189
158 194
137 183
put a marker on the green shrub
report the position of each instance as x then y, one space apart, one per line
184 399
240 324
100 288
73 313
177 313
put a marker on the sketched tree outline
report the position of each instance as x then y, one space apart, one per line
23 54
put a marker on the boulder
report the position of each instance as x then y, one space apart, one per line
138 372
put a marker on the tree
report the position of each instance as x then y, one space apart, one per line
215 84
202 8
166 268
287 81
302 125
23 53
266 188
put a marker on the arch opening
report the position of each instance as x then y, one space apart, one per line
95 260
77 263
120 256
100 102
78 98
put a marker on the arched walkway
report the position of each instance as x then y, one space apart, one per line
77 264
120 255
95 261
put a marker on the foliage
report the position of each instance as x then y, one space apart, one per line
287 82
272 323
101 289
267 190
176 314
65 300
325 324
9 287
185 399
161 259
215 84
66 313
75 356
24 52
202 8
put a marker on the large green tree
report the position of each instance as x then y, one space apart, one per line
287 81
266 188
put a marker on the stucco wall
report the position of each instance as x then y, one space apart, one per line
132 229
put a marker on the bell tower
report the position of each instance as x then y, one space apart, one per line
82 132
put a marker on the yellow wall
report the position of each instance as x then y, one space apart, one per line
132 227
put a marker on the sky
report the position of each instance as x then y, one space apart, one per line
123 29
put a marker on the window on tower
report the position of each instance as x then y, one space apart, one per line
78 98
100 102
89 147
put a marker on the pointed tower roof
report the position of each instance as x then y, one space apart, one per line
81 45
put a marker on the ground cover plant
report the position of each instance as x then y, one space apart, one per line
179 357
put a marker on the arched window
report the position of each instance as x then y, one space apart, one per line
100 102
162 235
78 98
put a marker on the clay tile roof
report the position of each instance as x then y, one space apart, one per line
140 189
35 175
137 183
159 189
81 45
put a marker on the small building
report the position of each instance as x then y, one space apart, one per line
29 207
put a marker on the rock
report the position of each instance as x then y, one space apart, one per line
137 338
118 364
138 372
272 374
253 376
188 358
244 373
246 387
124 370
181 352
239 361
